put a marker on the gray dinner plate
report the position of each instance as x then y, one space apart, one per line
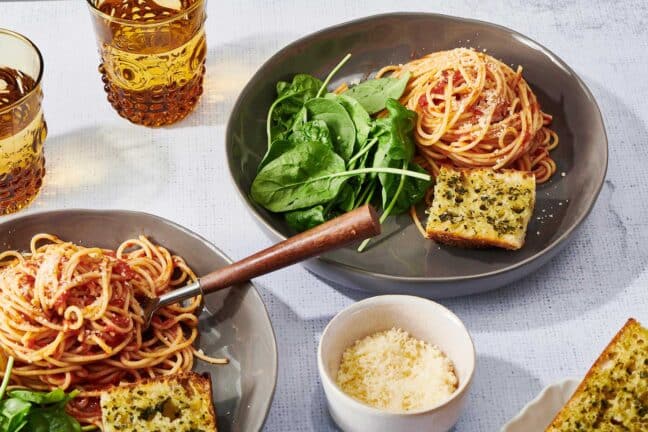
401 261
233 324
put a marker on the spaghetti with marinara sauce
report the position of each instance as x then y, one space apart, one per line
475 111
71 317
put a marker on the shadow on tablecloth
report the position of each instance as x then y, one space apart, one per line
229 67
103 167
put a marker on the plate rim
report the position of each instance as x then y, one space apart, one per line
43 213
534 403
565 236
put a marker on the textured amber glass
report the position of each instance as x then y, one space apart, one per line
152 57
22 125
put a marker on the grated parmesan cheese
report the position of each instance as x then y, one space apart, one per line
394 372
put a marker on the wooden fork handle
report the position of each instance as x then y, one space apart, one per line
358 224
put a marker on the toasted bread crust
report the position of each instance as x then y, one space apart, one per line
470 243
202 380
206 383
562 415
524 174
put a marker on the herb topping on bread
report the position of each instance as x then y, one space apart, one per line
178 403
481 207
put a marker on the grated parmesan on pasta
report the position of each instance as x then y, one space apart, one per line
395 372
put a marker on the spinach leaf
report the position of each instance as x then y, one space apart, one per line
301 84
351 194
338 121
300 118
14 412
395 150
308 175
411 192
366 194
289 104
326 155
399 193
397 130
276 149
302 220
315 130
54 396
52 419
373 94
346 200
32 411
38 422
294 193
299 178
361 119
359 160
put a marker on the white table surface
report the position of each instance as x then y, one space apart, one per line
549 326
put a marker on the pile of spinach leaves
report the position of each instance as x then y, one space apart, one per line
327 156
29 411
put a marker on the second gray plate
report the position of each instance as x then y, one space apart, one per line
234 323
401 261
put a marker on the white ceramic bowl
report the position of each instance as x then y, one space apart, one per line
424 320
540 412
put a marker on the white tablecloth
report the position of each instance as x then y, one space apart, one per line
530 334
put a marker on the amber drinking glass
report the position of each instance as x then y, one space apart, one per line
152 56
22 125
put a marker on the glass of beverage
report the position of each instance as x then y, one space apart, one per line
152 56
22 125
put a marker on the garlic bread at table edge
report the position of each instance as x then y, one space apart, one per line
613 396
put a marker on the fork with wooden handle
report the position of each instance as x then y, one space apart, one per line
358 224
